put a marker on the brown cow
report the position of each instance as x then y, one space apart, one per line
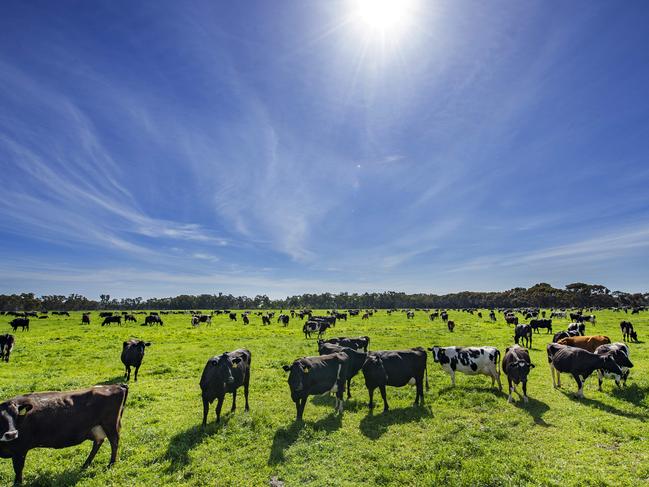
61 420
589 343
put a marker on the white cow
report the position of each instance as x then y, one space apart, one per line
470 361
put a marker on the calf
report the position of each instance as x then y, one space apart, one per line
516 366
580 364
536 324
351 342
132 355
395 368
7 342
317 375
225 374
620 353
23 323
112 319
589 343
450 324
356 360
628 333
469 360
60 420
523 332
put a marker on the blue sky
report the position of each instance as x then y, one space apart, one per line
160 148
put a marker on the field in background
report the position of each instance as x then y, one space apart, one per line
468 435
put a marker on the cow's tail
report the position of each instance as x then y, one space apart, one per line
124 388
498 361
426 372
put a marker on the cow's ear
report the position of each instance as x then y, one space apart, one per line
124 344
147 344
23 409
532 366
306 369
286 368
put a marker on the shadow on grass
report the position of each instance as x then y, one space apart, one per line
534 408
69 477
118 379
604 407
633 393
181 444
373 426
285 437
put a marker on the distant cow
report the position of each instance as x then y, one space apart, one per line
628 333
130 317
317 375
60 420
284 319
432 316
85 319
580 328
410 315
620 353
516 366
314 326
589 343
132 355
511 319
492 315
352 342
395 368
558 314
579 363
23 323
207 319
356 360
103 314
112 319
564 334
233 316
246 320
153 320
450 324
523 332
7 342
536 324
265 320
224 374
469 360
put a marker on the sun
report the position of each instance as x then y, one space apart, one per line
388 18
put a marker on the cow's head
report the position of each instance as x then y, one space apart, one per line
436 351
11 414
621 358
610 365
297 373
519 370
220 368
634 336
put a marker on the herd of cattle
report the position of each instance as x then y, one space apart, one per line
94 414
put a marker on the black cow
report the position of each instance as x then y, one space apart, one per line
103 314
265 320
516 366
450 324
152 319
523 332
224 374
351 342
564 334
317 375
233 316
511 319
544 323
61 420
85 319
132 355
7 342
130 317
112 319
395 368
356 360
628 333
284 319
579 363
246 320
20 322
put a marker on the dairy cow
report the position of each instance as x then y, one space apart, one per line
516 366
224 374
620 353
470 361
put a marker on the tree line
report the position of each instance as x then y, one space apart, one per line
575 295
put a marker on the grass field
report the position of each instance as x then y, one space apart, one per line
468 435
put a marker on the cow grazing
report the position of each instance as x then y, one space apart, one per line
578 362
470 361
628 333
537 324
224 374
589 343
620 353
579 328
511 319
7 342
153 320
23 323
516 366
523 332
351 342
450 324
112 319
317 375
395 368
60 420
130 317
356 360
132 355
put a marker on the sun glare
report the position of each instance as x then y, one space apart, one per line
388 18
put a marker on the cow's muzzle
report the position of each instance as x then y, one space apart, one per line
9 435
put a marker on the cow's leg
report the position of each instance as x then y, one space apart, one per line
301 403
349 389
18 461
420 391
452 374
234 401
600 379
219 405
512 388
554 382
370 390
137 368
91 456
580 385
525 399
206 409
385 399
127 374
497 375
246 388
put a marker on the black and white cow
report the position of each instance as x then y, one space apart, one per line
628 333
284 319
318 327
580 328
516 366
395 368
523 332
564 334
317 375
7 342
470 361
620 353
579 363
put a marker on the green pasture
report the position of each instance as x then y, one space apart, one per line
468 435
